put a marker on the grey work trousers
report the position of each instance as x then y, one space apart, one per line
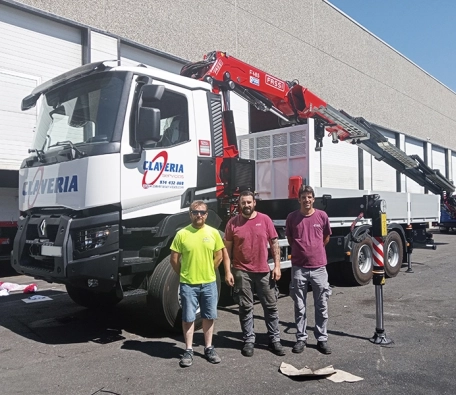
318 279
245 284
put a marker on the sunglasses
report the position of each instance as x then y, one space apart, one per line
200 212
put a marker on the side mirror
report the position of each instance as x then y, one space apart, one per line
148 127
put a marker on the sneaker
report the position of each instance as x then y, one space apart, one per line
323 347
299 346
187 359
277 348
211 355
247 350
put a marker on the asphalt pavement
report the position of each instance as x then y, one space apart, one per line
56 347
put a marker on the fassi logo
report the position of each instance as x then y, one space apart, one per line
161 155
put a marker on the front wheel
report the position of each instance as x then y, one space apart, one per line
163 297
393 254
92 300
359 270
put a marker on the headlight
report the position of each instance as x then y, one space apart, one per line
90 239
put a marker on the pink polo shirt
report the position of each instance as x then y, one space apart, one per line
250 239
307 234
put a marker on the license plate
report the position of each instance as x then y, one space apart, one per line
51 251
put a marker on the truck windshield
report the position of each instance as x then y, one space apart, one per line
80 112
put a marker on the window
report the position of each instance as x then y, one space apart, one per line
83 112
173 120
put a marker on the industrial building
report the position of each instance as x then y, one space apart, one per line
308 40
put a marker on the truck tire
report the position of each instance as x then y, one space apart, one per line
393 254
359 271
163 297
92 300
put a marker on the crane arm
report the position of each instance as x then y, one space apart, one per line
294 103
289 101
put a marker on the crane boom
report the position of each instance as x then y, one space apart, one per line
289 101
294 103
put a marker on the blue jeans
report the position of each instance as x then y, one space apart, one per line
300 279
203 295
245 284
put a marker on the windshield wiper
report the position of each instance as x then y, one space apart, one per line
75 152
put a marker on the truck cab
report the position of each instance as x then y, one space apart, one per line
118 156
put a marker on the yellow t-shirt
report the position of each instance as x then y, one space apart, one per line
197 247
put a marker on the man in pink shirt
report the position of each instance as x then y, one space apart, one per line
246 239
308 231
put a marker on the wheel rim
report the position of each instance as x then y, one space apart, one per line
393 254
365 259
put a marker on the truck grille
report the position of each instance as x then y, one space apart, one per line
39 230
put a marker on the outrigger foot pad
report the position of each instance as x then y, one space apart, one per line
381 339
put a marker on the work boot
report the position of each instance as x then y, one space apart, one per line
187 359
299 346
211 355
247 350
323 347
277 348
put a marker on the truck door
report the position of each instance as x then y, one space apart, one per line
167 169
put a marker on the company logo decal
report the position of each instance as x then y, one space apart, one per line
254 81
254 77
217 66
159 173
48 186
274 82
42 228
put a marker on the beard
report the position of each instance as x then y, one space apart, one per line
247 210
198 222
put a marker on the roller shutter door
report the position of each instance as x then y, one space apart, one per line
438 159
102 47
339 165
32 50
383 175
413 147
453 168
37 46
132 56
16 127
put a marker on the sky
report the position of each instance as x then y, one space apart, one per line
424 31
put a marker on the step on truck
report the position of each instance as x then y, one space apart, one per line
120 153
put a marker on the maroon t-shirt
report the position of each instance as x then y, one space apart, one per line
307 235
250 239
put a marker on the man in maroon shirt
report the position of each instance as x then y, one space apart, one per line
308 232
246 240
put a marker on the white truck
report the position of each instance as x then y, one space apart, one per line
121 152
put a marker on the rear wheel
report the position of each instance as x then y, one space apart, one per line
359 270
93 300
164 300
393 254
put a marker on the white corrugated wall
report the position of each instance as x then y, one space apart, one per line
32 50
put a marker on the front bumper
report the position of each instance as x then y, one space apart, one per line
49 247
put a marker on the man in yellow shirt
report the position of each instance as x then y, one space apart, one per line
196 253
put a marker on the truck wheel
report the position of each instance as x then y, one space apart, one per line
163 297
92 300
359 271
393 254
